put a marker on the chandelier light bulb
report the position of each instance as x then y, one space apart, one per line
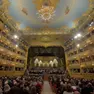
15 37
16 46
78 45
79 35
75 37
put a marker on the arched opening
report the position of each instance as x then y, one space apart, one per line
52 56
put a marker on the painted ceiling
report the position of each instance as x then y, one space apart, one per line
67 11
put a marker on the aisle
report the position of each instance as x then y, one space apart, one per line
47 88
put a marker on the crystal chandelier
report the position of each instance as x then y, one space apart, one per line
46 13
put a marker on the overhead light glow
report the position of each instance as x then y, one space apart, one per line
78 45
15 36
77 36
16 46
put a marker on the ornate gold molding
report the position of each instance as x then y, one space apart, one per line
6 4
39 3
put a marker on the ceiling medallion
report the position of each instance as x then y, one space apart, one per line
46 13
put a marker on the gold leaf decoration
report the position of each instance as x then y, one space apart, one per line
39 3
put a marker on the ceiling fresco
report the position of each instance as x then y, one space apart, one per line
66 12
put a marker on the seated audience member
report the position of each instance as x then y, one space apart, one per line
6 87
76 92
60 81
17 90
1 91
68 90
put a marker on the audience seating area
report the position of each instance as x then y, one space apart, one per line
59 81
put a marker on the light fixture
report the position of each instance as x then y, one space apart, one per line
15 36
78 45
77 36
16 46
46 13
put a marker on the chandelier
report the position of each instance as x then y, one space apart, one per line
46 13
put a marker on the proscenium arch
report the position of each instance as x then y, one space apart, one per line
35 51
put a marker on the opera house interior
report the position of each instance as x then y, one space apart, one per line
46 47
